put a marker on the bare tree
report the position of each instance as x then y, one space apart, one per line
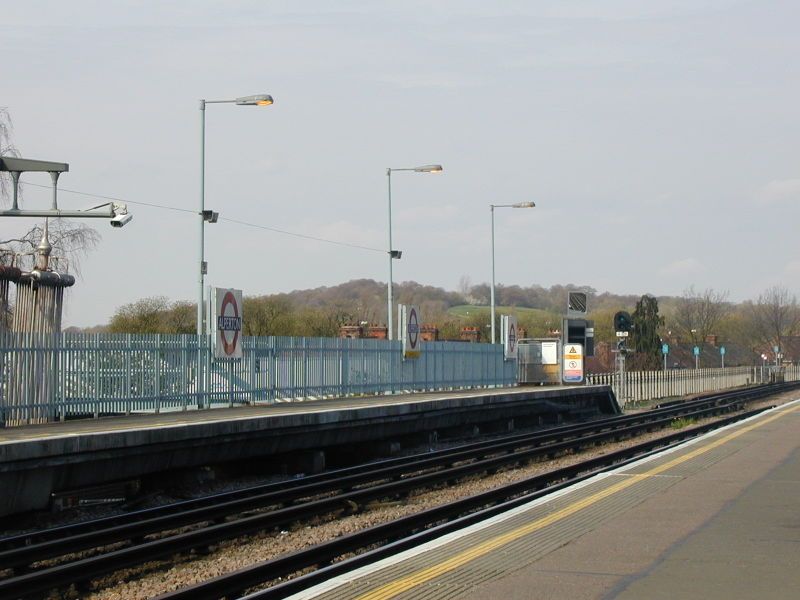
698 314
464 286
7 148
774 316
71 241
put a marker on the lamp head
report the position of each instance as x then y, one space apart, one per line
524 205
429 169
256 100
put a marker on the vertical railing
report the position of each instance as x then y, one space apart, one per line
638 386
102 374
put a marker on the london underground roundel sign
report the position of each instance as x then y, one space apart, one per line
413 334
413 328
227 323
510 336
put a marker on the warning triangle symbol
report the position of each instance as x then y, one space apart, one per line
572 350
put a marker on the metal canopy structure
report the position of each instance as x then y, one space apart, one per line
23 165
116 211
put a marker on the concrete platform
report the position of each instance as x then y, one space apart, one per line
716 518
38 460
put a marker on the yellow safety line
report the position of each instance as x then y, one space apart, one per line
399 586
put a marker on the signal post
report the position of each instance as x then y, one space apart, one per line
622 326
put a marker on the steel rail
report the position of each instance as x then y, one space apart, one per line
81 537
35 537
29 538
411 530
88 568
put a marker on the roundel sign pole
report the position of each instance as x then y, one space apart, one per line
412 339
227 324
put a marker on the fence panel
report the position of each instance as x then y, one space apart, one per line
46 377
637 386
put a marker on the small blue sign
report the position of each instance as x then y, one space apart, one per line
775 348
696 351
664 348
722 350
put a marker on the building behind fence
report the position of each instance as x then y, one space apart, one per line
89 375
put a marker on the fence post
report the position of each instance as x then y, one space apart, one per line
96 375
127 381
230 383
157 374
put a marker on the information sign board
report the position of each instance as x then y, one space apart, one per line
664 348
573 363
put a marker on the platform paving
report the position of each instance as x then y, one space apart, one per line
216 415
718 518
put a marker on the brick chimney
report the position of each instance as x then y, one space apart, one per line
351 331
377 332
429 333
470 334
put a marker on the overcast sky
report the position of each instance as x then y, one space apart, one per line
660 140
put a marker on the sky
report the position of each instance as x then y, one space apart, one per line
659 140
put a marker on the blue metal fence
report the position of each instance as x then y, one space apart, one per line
51 377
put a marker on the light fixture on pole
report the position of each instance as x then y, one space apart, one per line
209 216
396 254
491 208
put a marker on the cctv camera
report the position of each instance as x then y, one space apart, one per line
121 220
209 216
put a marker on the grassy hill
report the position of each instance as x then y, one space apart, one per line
466 310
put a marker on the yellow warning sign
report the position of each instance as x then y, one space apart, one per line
573 363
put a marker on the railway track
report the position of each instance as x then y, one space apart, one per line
227 516
410 531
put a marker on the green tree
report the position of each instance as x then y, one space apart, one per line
268 315
645 338
154 315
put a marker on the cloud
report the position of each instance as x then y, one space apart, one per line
429 213
791 270
348 232
780 190
682 268
449 81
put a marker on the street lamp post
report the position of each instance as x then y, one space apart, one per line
491 208
256 100
396 254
